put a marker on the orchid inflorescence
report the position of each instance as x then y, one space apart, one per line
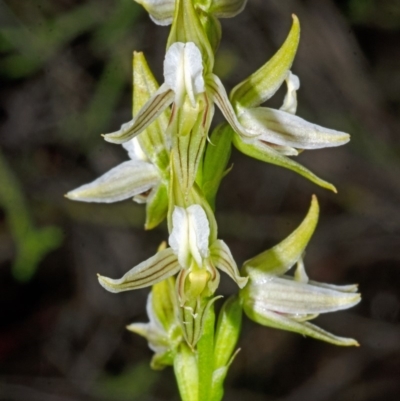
175 169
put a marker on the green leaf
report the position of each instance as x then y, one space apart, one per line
226 337
216 158
156 207
31 244
227 332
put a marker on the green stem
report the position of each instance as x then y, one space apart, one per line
186 373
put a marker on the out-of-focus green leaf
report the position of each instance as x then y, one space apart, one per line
129 385
31 244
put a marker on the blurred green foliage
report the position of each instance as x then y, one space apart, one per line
382 13
31 243
32 34
129 385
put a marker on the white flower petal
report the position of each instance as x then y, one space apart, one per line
300 274
179 237
199 233
122 182
281 128
189 235
183 71
135 151
290 101
223 259
284 295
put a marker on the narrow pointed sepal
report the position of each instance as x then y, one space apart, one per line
271 319
263 152
122 182
263 84
279 259
149 112
221 256
286 129
162 265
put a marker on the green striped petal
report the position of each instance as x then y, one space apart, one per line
148 113
162 265
221 256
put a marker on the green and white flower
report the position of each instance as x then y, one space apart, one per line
275 299
195 259
145 177
190 253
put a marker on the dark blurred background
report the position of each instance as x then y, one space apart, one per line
65 73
